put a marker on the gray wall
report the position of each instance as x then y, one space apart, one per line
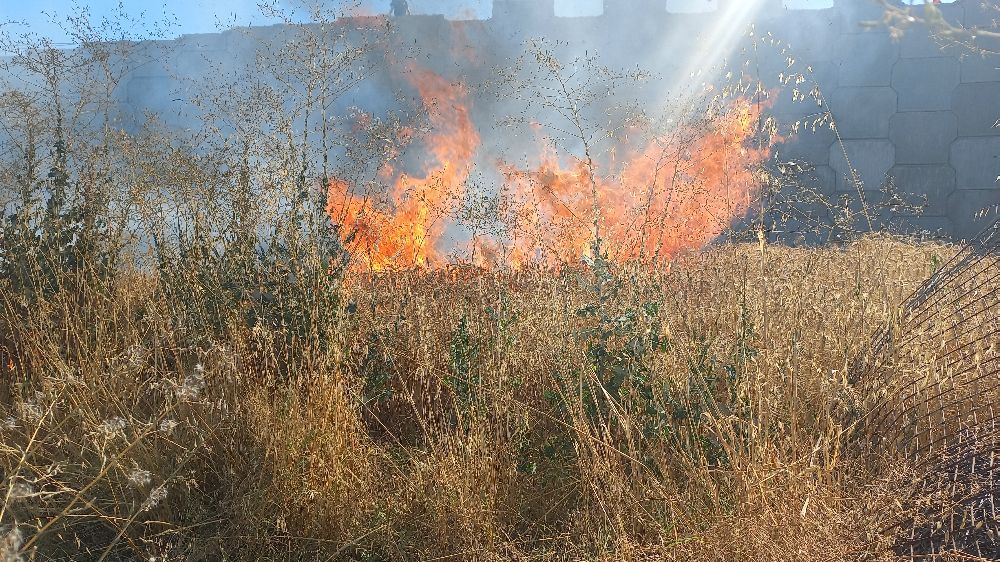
904 109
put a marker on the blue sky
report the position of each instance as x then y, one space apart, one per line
203 16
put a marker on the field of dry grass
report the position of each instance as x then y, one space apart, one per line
691 413
194 367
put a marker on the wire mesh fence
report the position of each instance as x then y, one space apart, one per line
928 406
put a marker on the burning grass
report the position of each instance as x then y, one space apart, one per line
689 413
243 341
650 194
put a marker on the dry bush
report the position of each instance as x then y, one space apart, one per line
447 427
189 372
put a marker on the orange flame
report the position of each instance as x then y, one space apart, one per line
668 196
672 194
409 234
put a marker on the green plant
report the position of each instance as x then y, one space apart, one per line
463 375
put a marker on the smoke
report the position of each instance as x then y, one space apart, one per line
664 63
527 158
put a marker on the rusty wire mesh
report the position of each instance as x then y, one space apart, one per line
928 405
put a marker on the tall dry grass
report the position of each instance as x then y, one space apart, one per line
456 415
186 372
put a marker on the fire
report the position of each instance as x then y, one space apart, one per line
673 194
408 235
670 194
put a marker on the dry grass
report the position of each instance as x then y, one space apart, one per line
452 421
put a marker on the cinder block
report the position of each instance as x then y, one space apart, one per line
925 84
809 34
853 13
787 104
808 146
931 184
980 14
977 107
923 137
954 12
863 113
918 43
976 162
933 227
871 159
826 179
980 68
866 59
972 210
821 181
800 223
867 216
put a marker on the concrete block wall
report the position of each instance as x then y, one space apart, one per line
904 109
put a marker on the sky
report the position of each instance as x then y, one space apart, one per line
206 16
